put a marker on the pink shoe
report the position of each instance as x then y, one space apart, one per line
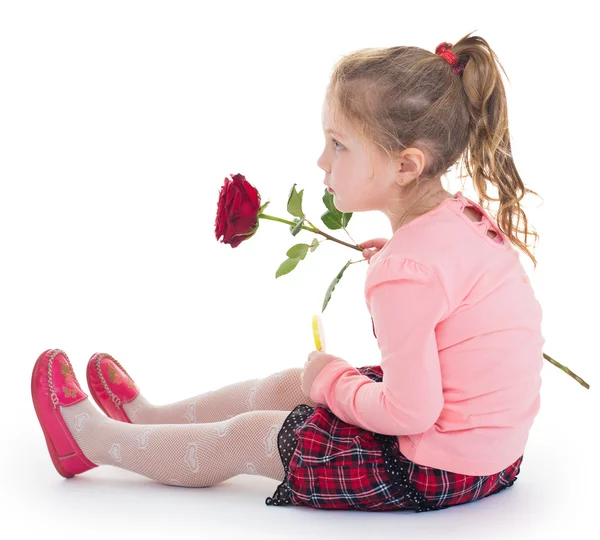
110 385
53 383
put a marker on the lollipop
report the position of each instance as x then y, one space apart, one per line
318 332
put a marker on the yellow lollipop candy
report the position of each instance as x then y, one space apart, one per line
318 332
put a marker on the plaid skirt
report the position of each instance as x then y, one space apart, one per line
330 464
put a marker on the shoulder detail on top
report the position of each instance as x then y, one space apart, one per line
406 272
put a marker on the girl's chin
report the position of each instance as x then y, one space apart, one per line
339 206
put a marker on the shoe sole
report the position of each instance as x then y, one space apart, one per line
51 448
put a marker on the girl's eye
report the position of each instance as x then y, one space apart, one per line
335 142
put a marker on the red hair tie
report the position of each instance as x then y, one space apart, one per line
443 49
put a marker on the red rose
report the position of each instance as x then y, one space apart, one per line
237 211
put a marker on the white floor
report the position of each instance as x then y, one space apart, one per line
550 496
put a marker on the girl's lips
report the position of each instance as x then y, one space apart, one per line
330 190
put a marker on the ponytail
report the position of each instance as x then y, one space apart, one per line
488 156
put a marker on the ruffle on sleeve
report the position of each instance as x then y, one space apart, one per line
403 271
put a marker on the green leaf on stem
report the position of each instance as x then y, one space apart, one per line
331 221
328 201
298 227
260 210
286 267
314 244
298 251
346 218
333 218
333 284
294 205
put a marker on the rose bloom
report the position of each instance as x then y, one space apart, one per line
237 211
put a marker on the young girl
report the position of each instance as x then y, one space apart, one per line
444 419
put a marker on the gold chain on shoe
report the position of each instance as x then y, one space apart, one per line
53 396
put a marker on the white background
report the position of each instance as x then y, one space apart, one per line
119 122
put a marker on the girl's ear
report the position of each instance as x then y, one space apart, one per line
410 165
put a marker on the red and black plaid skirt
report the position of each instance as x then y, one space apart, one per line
334 465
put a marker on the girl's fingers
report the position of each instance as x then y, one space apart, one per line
377 243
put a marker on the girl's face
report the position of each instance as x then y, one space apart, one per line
361 182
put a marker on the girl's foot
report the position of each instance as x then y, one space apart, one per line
53 385
110 386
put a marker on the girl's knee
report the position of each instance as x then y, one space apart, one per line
289 388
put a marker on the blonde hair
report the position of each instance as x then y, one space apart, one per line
405 96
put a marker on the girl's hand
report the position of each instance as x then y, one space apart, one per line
376 243
317 360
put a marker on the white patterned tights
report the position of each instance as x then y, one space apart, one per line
197 442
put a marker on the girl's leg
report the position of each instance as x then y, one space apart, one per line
198 455
278 392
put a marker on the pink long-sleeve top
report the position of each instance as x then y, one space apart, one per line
459 330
